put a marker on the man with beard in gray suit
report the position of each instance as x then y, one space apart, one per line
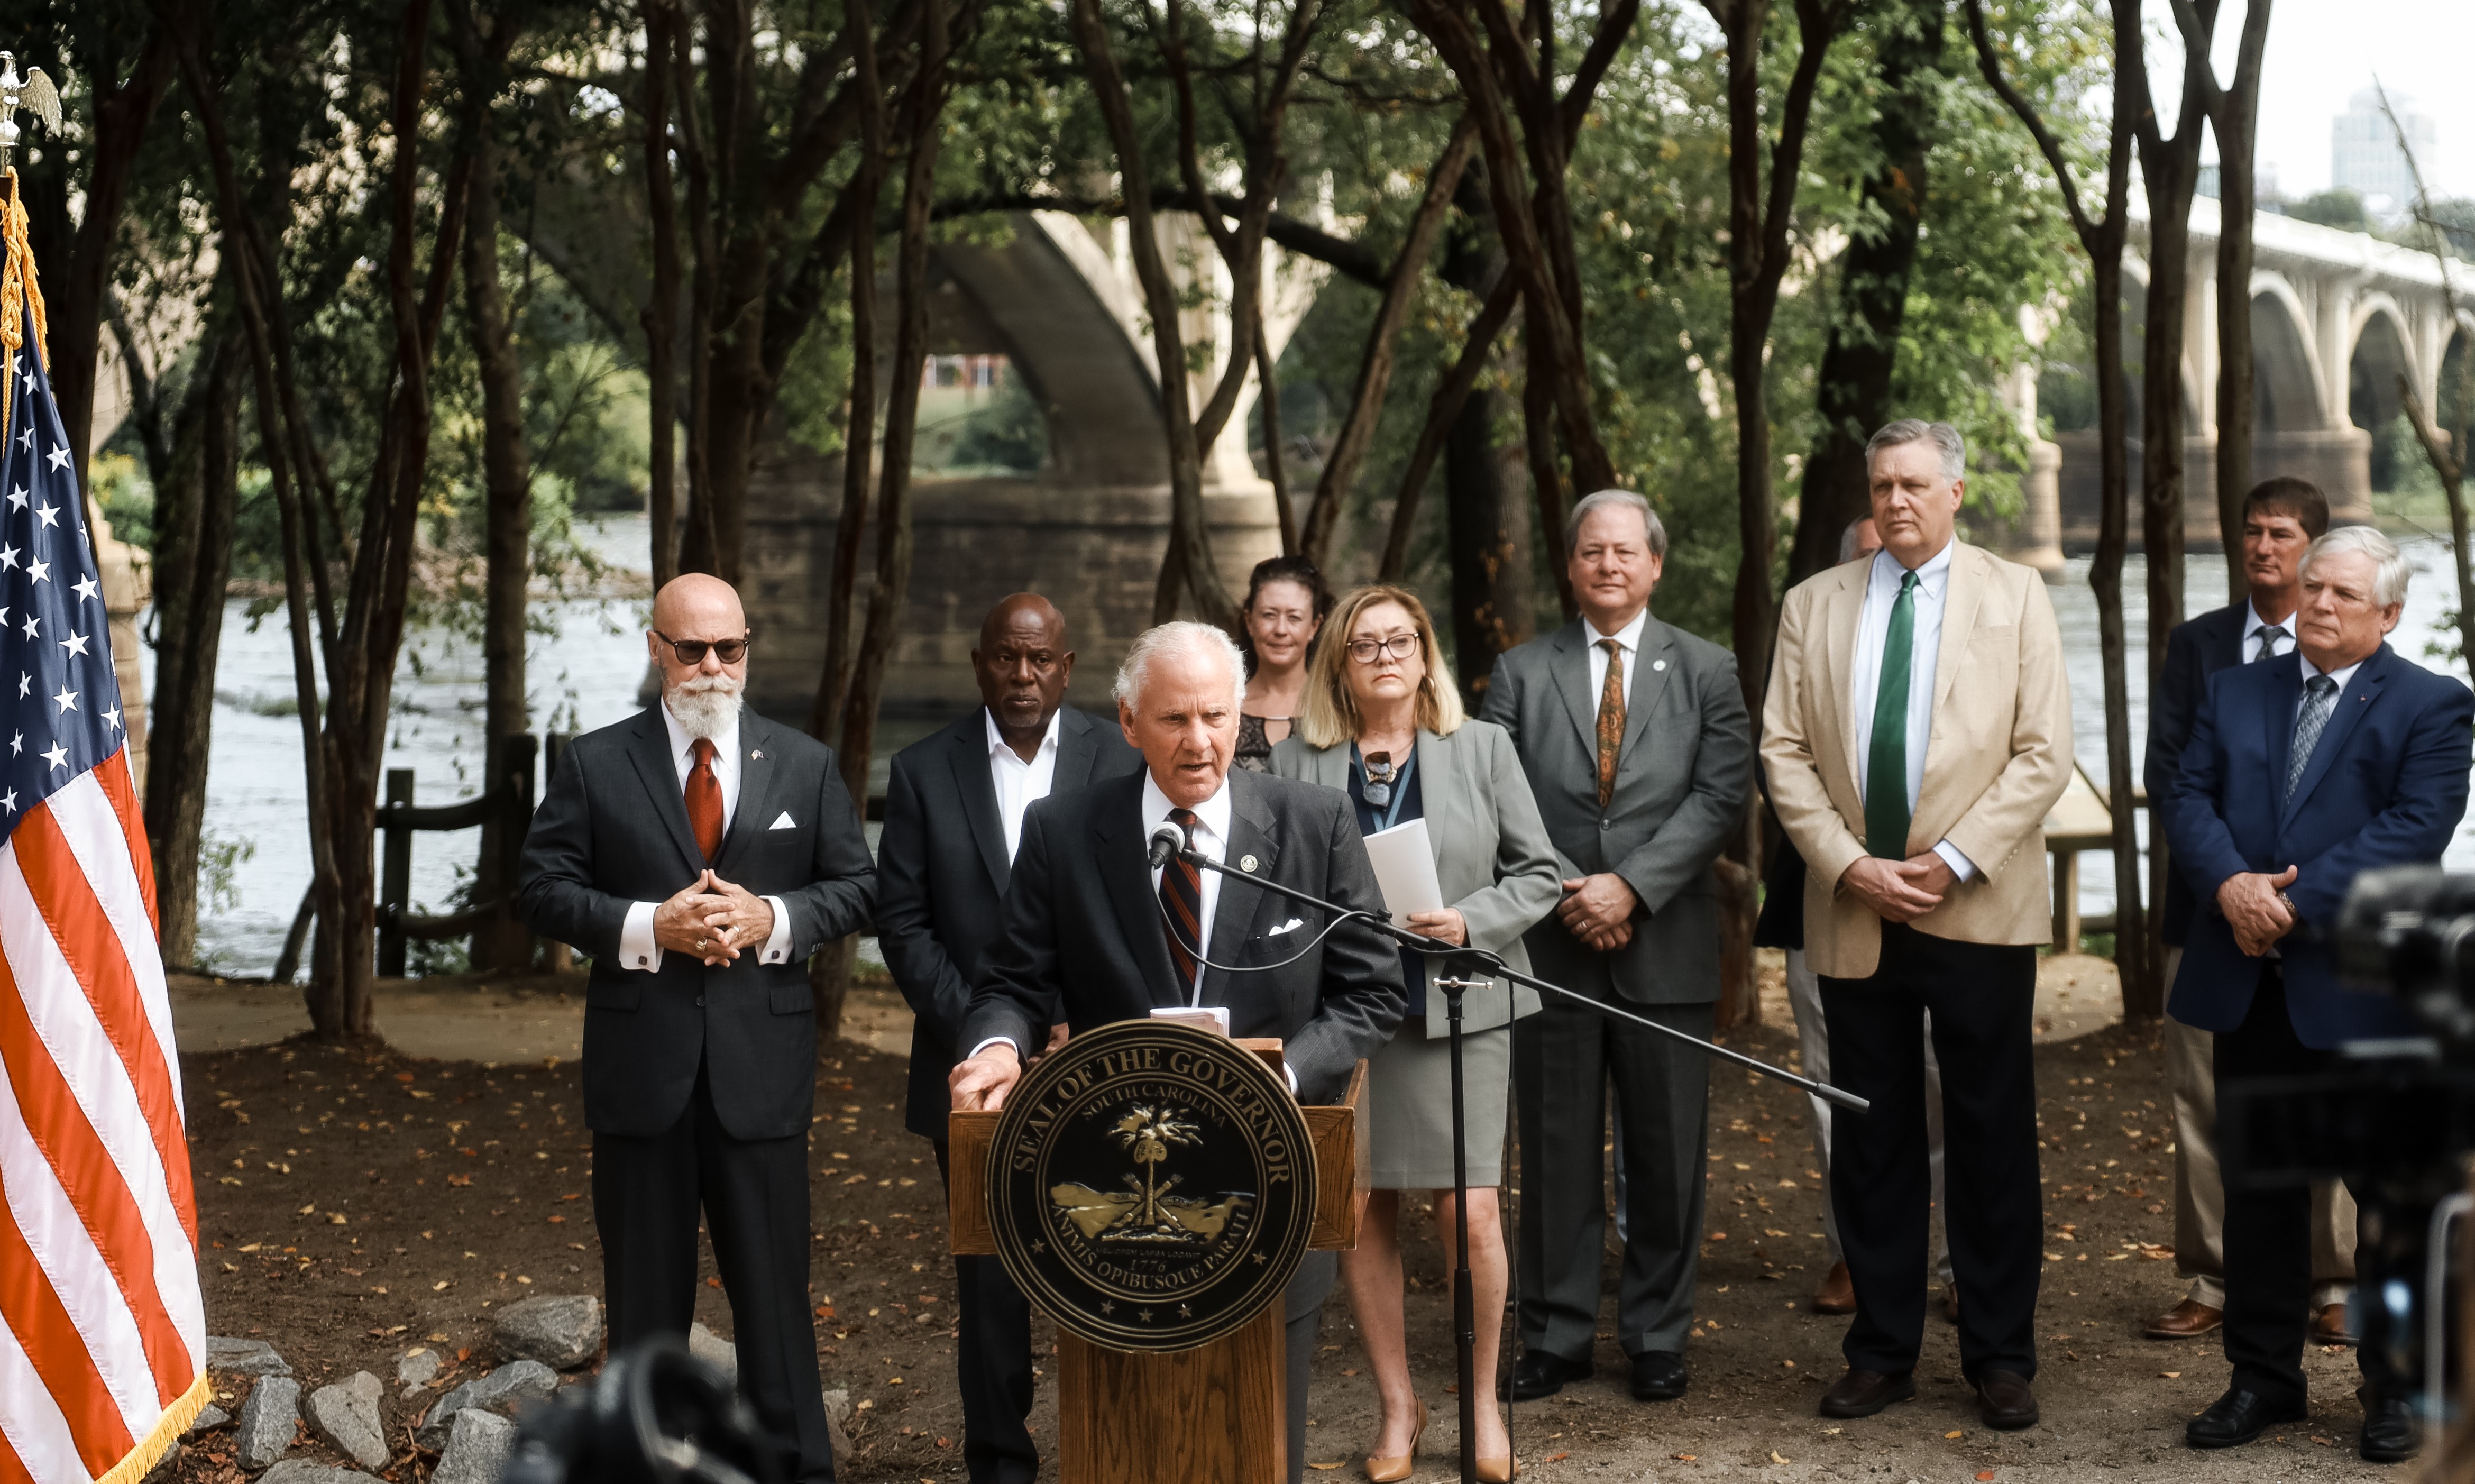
1637 743
700 854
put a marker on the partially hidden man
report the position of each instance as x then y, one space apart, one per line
1094 935
1918 728
954 807
700 854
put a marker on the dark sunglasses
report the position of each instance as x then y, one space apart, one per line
691 652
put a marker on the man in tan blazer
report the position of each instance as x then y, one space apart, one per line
1918 728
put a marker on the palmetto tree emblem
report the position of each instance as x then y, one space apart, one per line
1146 1133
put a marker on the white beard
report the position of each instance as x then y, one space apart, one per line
706 707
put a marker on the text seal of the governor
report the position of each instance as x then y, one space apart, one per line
1152 1185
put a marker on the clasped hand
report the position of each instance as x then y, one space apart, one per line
1598 911
1900 891
712 920
2256 908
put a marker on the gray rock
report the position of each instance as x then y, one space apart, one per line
244 1357
210 1417
300 1470
838 1405
168 1467
477 1443
714 1350
502 1391
415 1368
266 1420
346 1414
560 1330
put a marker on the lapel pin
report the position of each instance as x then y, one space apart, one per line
1658 664
1245 862
756 755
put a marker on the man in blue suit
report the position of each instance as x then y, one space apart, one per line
2301 772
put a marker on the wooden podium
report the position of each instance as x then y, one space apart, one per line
1213 1415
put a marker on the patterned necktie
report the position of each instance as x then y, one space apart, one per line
705 801
1611 719
2319 699
1181 895
2269 636
1886 764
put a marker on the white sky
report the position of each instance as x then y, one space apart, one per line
2321 51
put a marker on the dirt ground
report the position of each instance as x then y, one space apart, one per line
357 1202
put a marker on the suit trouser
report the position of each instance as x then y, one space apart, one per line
992 1365
2269 1232
754 1196
1813 1045
1563 1059
2200 1192
1982 998
1302 1316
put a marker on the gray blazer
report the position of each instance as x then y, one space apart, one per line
1681 782
1492 856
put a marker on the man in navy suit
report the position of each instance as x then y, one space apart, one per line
2301 772
2280 518
953 817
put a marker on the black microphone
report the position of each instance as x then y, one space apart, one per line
1167 841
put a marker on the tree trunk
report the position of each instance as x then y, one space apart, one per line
506 474
662 307
1855 394
1487 531
2140 988
195 502
2170 174
2236 122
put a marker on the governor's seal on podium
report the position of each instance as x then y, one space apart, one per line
1152 1186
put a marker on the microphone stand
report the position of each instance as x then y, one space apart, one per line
1464 1290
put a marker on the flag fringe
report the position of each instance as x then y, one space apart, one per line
151 1448
19 289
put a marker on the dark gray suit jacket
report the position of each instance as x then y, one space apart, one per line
612 830
1083 939
1681 780
940 878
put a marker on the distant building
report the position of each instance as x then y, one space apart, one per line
2363 153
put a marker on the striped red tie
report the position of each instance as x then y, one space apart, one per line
1181 895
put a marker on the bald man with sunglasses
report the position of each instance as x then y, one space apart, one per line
700 854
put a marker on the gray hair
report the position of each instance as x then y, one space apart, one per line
1916 429
1183 636
1614 499
2391 569
1848 539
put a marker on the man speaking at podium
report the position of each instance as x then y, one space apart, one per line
1094 935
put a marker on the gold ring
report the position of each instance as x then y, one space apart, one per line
701 942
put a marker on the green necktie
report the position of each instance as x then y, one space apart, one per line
1886 765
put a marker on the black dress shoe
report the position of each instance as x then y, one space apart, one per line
2005 1402
2389 1434
1658 1376
1539 1374
1864 1392
2236 1417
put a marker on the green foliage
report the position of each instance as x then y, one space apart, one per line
2343 210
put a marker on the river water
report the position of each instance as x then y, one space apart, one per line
584 671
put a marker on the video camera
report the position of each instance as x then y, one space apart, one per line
2396 1118
655 1414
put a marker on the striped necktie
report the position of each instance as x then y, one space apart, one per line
2319 699
1181 895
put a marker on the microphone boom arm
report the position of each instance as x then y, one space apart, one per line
1498 968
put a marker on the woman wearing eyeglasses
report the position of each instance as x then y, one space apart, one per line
1381 718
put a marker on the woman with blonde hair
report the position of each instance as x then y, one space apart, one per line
1382 719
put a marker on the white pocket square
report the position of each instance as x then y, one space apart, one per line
782 821
1291 925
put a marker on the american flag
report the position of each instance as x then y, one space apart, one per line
103 1352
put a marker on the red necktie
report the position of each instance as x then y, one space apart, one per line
1181 894
705 801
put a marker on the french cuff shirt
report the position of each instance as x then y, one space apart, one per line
637 949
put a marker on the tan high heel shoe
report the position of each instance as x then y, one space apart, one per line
1498 1470
1391 1470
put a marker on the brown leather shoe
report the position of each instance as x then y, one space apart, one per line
2005 1402
1864 1392
2186 1320
1837 1294
2329 1326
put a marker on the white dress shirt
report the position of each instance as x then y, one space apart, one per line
2342 677
1628 639
1018 784
637 949
1928 604
2253 624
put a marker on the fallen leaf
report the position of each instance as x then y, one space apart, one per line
1983 1475
1682 1458
1558 1458
2171 1375
1954 1433
1778 1457
1324 1468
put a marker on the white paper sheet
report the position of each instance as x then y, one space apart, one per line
1405 867
1210 1016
